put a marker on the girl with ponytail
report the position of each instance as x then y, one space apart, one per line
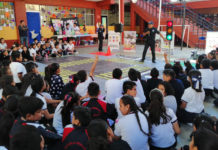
192 99
164 123
133 126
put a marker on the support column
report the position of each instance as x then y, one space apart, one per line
122 11
133 18
20 13
97 17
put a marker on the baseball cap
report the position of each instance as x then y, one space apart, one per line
150 22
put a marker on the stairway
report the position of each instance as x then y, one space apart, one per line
197 26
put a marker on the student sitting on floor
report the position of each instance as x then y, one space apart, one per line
30 109
85 80
164 123
101 137
152 83
56 51
192 99
99 109
76 138
169 98
64 111
26 54
207 77
129 88
114 87
32 51
133 126
214 68
18 70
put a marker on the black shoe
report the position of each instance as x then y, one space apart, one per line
141 60
153 61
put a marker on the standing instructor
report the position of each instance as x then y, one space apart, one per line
149 35
101 37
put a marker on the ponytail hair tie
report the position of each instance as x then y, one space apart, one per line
68 98
196 81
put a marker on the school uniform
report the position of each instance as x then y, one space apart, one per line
75 138
57 120
100 109
194 106
170 102
3 46
128 128
207 81
42 42
151 84
54 52
215 80
114 89
117 105
56 85
51 138
140 92
32 52
162 135
26 55
39 96
82 87
17 68
178 88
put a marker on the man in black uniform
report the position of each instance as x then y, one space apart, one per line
100 37
149 34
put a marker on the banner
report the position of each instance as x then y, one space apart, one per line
211 41
130 41
114 40
161 46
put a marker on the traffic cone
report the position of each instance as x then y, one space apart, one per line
108 51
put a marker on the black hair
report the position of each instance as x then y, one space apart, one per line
154 73
117 73
27 80
37 85
50 70
26 138
4 70
195 77
204 121
11 105
10 90
30 66
29 105
213 54
214 64
177 68
205 139
168 66
168 88
169 72
6 123
21 21
56 44
188 67
205 63
157 110
129 100
67 24
93 89
83 114
6 80
200 58
31 46
128 85
70 101
15 55
82 75
97 132
132 74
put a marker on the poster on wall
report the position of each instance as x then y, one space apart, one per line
211 41
114 40
130 41
163 47
57 25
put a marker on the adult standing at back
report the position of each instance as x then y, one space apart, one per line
150 33
23 32
101 37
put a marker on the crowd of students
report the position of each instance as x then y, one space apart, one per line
38 50
39 112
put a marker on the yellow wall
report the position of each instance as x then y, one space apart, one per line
46 31
8 33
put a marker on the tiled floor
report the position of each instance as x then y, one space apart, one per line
71 64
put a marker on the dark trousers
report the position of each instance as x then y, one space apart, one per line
100 44
147 45
186 117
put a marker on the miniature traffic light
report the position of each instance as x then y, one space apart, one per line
169 35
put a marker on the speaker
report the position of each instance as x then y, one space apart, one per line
118 27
